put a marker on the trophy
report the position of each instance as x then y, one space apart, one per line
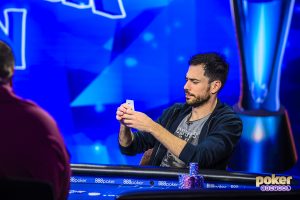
267 143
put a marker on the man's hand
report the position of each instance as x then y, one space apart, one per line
125 134
141 122
121 111
138 120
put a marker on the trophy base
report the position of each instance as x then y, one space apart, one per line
266 144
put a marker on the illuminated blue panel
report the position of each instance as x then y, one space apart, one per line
84 58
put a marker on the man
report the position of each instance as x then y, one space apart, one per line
31 146
203 130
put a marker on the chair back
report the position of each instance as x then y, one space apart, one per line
13 189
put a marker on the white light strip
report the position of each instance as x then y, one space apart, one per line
5 28
92 6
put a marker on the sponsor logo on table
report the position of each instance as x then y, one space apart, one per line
77 180
274 183
104 181
167 184
216 186
132 182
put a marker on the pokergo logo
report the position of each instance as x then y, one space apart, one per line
274 183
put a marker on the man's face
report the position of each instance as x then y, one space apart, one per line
197 87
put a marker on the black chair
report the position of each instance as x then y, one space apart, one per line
146 157
13 189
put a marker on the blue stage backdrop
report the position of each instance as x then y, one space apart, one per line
80 59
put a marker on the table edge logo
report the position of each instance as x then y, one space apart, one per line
274 183
77 180
132 182
104 181
167 184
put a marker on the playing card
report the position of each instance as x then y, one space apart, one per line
130 103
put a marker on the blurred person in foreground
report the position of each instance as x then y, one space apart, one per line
31 146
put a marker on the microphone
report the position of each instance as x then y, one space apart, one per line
189 123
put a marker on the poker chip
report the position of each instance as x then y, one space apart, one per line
192 180
194 169
185 181
199 181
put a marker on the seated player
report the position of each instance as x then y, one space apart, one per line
203 130
31 146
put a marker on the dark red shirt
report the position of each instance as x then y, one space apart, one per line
31 145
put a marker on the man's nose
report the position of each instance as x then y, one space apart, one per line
186 86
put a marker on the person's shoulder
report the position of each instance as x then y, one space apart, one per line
33 110
224 109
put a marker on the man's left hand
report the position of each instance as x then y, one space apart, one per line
138 120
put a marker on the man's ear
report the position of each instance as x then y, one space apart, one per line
215 86
12 69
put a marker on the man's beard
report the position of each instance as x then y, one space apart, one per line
198 101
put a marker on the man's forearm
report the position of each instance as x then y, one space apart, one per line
170 141
125 136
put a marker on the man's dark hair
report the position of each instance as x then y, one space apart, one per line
7 62
215 66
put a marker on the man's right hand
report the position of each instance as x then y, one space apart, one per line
121 111
125 135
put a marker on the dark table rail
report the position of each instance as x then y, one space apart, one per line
219 184
159 172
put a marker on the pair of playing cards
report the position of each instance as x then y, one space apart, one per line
130 103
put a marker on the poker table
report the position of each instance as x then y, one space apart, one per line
140 182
